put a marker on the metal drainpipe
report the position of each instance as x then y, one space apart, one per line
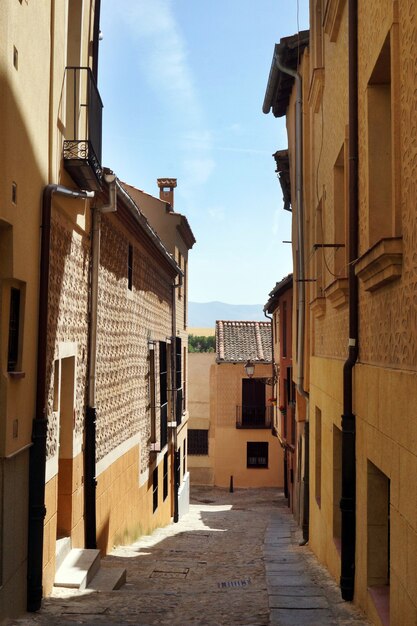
90 482
348 499
176 455
301 285
37 456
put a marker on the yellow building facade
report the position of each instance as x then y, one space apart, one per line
356 200
35 119
93 317
231 443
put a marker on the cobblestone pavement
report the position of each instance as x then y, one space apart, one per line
234 559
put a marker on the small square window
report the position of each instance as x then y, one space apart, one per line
198 441
14 330
257 454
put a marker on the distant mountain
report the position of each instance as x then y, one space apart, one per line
205 314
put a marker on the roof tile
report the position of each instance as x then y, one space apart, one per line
240 341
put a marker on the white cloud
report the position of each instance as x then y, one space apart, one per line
162 57
199 169
216 213
163 54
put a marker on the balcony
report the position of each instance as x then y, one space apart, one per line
254 416
82 148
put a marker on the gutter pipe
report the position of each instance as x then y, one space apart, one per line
176 453
90 484
348 499
37 455
301 282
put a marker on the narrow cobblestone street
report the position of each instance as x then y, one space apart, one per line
233 560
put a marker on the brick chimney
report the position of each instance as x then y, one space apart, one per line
166 189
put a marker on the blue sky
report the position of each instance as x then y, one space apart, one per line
183 82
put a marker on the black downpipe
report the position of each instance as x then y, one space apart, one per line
348 499
37 456
177 473
176 455
90 484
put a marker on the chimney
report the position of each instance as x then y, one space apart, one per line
166 189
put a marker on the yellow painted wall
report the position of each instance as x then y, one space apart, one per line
326 396
385 405
200 391
230 442
124 507
385 377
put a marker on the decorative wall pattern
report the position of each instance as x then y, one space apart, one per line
388 317
67 315
127 320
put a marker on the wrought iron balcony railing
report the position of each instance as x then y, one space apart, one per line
82 146
254 416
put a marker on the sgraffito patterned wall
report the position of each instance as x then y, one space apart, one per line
388 317
127 321
67 315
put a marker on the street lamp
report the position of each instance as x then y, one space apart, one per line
249 368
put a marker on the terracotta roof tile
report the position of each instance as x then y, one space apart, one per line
240 341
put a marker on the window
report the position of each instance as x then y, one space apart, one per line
284 328
155 489
257 454
152 391
318 456
381 129
180 264
378 531
130 268
339 215
290 386
14 330
178 363
254 411
163 392
197 442
178 380
165 484
184 457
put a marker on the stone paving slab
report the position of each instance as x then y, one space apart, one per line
298 602
294 617
233 560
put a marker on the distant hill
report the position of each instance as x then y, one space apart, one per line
205 314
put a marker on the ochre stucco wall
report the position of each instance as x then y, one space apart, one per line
385 377
230 442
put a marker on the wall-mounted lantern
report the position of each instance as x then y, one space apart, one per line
249 368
